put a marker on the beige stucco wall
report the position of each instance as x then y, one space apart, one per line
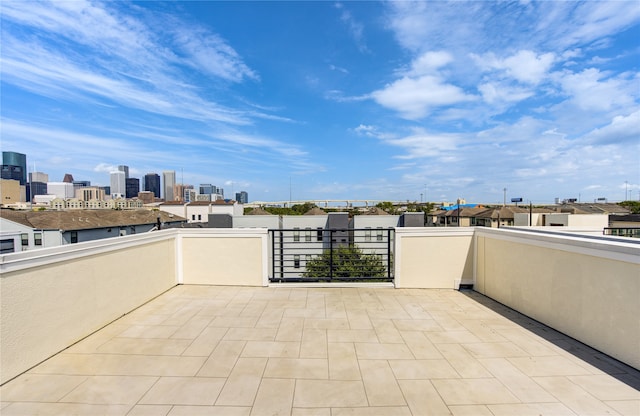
48 306
433 258
589 292
232 257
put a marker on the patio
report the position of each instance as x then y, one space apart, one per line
224 350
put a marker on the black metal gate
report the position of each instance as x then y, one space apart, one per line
328 255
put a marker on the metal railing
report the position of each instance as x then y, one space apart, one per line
327 255
622 231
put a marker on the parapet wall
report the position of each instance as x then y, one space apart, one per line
52 298
433 258
585 288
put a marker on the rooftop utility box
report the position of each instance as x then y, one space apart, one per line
220 221
412 219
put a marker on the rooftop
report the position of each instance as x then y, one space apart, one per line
199 350
81 219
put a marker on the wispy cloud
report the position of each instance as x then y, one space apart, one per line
356 29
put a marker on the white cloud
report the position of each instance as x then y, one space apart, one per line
429 63
414 98
501 92
622 129
356 29
524 66
423 144
593 90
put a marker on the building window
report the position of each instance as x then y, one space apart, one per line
25 240
37 239
74 237
199 217
6 246
296 261
307 234
193 217
367 234
379 234
319 234
296 234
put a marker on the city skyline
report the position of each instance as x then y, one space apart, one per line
314 100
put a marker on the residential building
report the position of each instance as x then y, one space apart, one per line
14 166
55 228
242 197
146 197
118 184
152 184
90 193
199 211
132 187
169 183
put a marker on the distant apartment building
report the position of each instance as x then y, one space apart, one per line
90 193
169 183
118 184
152 184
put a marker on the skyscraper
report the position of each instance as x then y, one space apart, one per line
242 197
14 166
152 183
133 187
118 184
38 184
125 169
169 181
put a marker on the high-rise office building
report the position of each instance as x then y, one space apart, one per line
37 184
242 197
152 183
132 187
63 190
214 191
125 169
118 184
168 183
179 191
14 166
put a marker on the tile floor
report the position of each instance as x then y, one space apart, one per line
199 350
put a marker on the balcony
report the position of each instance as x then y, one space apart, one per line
185 322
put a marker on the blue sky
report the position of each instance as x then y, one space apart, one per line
331 100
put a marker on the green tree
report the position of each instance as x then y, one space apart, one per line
346 262
387 207
633 206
